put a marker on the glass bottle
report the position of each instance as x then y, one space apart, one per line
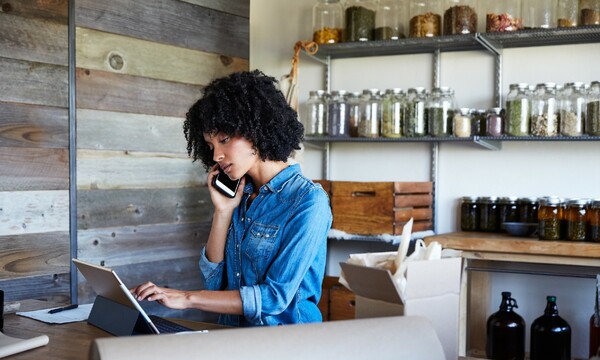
338 124
425 18
488 214
414 119
576 219
494 122
518 105
539 14
461 124
508 209
388 20
544 111
592 114
327 21
371 114
572 110
567 13
595 324
505 332
316 121
360 20
503 16
589 12
550 335
460 17
469 213
550 215
593 221
528 209
393 113
353 101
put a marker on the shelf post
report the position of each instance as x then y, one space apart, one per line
437 66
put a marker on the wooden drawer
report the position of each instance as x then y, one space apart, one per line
341 303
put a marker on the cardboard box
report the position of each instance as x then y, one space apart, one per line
432 291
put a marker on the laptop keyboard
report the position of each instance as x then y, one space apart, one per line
165 326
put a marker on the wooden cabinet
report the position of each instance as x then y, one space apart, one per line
337 302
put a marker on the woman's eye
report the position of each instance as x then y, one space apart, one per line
224 140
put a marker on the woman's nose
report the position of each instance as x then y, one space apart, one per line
218 155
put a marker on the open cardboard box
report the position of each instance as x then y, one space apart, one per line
432 291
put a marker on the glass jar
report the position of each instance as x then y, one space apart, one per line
550 216
425 18
494 122
589 12
469 214
593 221
575 217
435 114
414 119
461 123
503 16
508 209
518 104
316 110
393 113
353 101
592 114
538 14
460 17
478 125
327 21
388 20
371 114
488 214
360 20
338 124
567 13
572 110
544 111
528 209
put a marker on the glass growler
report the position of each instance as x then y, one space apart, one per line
505 332
550 335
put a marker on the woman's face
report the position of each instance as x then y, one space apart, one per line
234 154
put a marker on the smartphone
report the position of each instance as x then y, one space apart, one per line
225 185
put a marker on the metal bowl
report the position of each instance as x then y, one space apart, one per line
520 229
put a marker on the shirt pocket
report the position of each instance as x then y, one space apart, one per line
259 248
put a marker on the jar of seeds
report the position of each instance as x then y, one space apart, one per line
544 111
425 18
572 110
461 123
460 17
415 124
371 114
393 113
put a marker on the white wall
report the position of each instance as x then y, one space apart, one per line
568 169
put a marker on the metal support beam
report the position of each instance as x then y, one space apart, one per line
72 156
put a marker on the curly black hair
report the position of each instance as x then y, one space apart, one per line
246 104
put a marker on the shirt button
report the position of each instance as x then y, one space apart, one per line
237 274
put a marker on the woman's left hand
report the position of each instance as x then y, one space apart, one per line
174 299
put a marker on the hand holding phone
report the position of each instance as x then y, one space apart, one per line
225 185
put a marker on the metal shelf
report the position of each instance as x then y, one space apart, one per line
323 139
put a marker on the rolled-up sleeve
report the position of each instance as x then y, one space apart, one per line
251 302
212 273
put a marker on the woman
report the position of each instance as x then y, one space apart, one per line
264 261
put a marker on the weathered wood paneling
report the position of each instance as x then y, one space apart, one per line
236 7
98 50
101 90
33 40
116 208
33 169
55 10
31 212
33 126
136 170
49 287
169 22
34 254
33 83
96 130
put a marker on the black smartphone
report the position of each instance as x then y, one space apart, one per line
225 185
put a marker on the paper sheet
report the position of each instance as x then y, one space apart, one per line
81 313
10 345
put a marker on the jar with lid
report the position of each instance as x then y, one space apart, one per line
494 122
503 16
488 214
518 105
370 114
469 213
539 14
544 111
353 101
393 113
460 17
478 123
388 20
575 217
550 216
508 209
360 20
592 114
449 104
435 114
572 110
327 21
461 124
567 13
589 12
425 18
414 119
338 124
316 110
528 209
593 221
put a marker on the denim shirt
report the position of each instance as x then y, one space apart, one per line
275 252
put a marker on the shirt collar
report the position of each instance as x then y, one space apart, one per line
279 181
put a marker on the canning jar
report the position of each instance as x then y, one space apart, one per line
544 111
461 124
327 21
518 104
572 110
414 119
393 113
425 18
460 17
592 114
538 14
567 13
478 123
360 20
316 110
353 101
503 16
370 114
489 219
436 114
550 216
469 213
338 124
388 20
576 219
589 12
494 122
508 209
528 209
593 221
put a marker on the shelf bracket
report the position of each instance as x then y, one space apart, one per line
488 144
496 50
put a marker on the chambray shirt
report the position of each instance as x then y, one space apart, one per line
275 252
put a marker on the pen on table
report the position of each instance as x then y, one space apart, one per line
68 307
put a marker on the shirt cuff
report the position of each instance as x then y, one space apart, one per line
206 266
251 302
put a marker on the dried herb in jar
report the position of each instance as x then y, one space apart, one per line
589 17
517 119
593 118
327 36
544 125
360 23
425 25
502 22
460 19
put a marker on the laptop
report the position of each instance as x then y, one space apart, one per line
108 285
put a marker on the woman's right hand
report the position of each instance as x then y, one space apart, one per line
220 201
